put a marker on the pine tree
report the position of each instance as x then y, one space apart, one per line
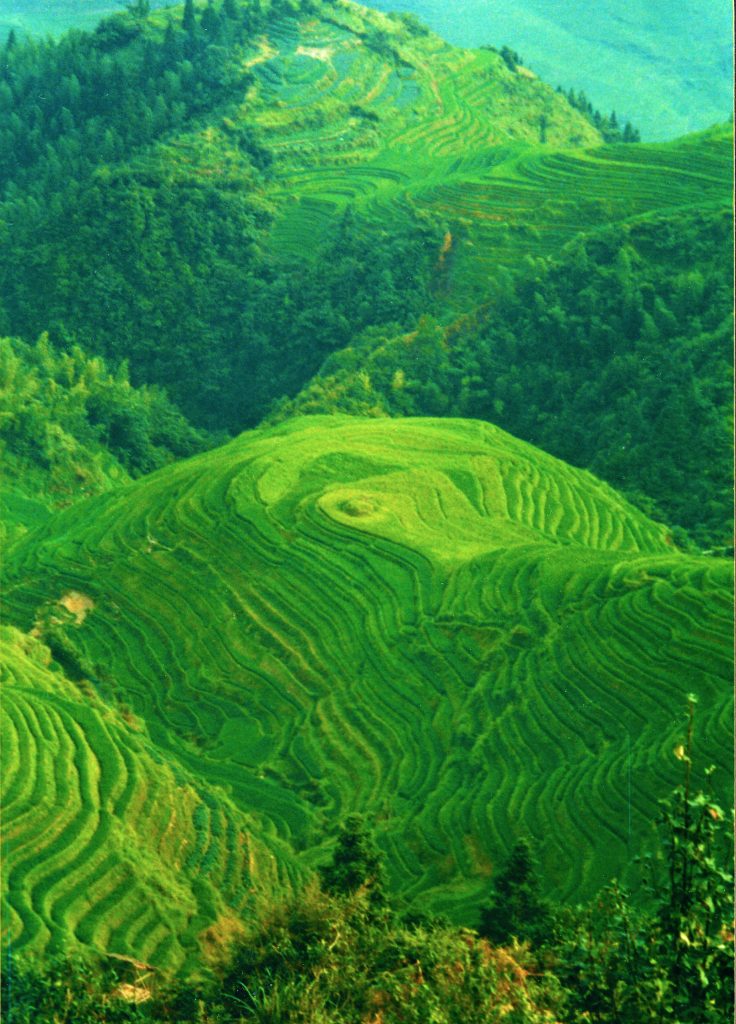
210 22
356 863
189 22
517 909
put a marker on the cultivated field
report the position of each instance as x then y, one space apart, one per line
361 112
426 621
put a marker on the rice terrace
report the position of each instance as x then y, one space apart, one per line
366 594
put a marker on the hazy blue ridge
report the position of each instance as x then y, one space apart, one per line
52 17
666 67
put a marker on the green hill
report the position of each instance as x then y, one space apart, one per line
424 620
105 842
614 355
686 84
227 206
666 67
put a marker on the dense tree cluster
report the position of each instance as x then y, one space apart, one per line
168 274
66 419
614 357
146 257
89 98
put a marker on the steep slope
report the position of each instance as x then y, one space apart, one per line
143 166
614 355
227 206
684 87
424 620
667 68
106 843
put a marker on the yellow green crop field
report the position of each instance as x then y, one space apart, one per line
426 621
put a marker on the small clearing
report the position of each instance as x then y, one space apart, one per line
266 51
323 53
78 604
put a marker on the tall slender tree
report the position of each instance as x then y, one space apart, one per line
517 908
189 22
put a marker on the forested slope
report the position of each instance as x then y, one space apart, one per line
228 195
70 429
614 355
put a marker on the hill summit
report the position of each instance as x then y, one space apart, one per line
425 621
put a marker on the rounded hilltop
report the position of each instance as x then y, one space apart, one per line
423 620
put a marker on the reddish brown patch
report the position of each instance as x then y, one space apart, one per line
78 604
217 940
447 244
132 993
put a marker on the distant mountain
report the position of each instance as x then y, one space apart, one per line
426 621
667 67
52 17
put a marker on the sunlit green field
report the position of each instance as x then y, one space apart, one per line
425 621
451 135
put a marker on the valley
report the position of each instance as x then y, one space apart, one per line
366 515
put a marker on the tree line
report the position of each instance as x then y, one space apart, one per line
343 952
614 356
608 126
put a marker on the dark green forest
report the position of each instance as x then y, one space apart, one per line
612 355
139 262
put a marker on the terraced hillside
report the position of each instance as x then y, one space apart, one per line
215 220
424 620
361 110
105 842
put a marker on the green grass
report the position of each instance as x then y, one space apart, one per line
452 135
105 843
425 621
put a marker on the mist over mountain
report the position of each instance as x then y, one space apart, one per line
667 67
